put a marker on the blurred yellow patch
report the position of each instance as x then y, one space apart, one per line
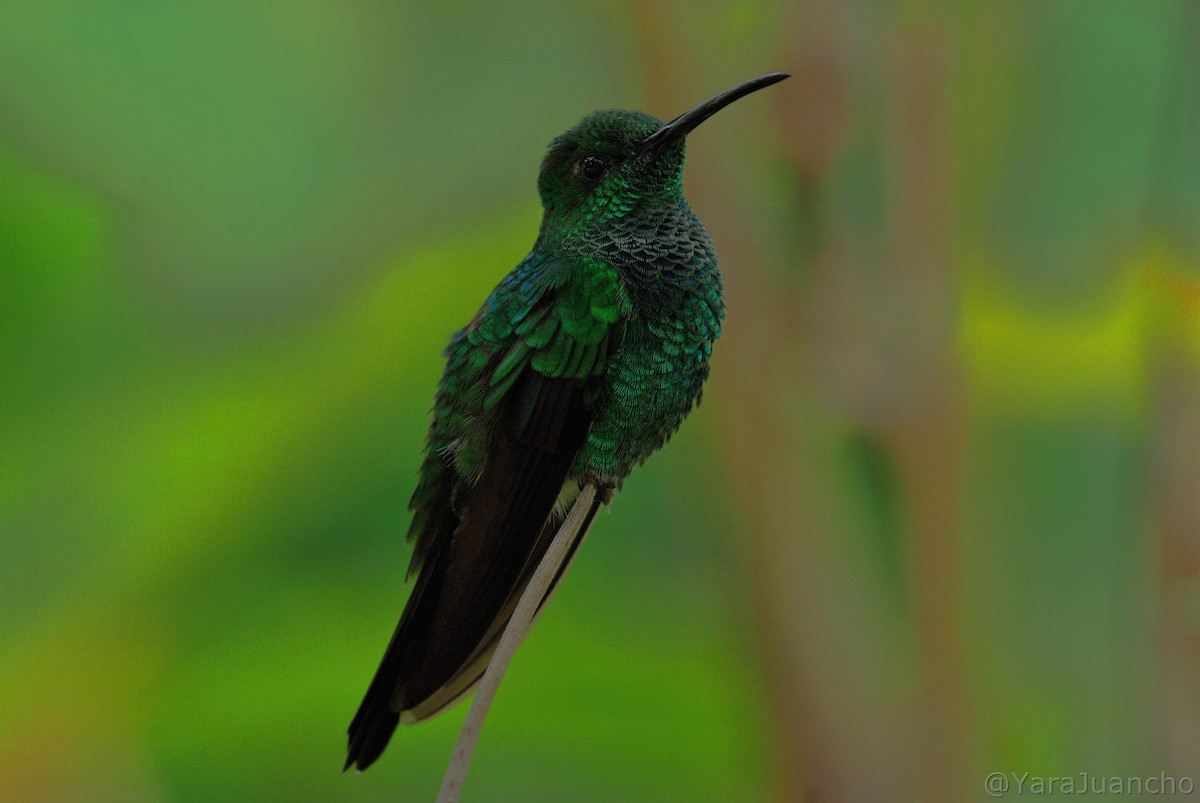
1056 361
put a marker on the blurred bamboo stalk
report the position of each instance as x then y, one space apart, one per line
1175 483
1174 471
927 441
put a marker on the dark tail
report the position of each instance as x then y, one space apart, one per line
377 717
472 578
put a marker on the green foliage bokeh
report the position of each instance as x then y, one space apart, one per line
235 238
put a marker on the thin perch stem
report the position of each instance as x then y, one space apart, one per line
514 633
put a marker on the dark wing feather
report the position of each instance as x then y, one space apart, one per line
478 543
472 671
498 537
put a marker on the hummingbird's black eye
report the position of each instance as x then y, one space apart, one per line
592 167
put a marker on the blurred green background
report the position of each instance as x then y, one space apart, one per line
938 516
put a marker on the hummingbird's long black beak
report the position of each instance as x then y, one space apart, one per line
684 123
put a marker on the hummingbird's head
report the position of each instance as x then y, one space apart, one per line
615 163
599 170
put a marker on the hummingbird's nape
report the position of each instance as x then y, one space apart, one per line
581 364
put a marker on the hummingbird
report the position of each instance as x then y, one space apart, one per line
580 364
